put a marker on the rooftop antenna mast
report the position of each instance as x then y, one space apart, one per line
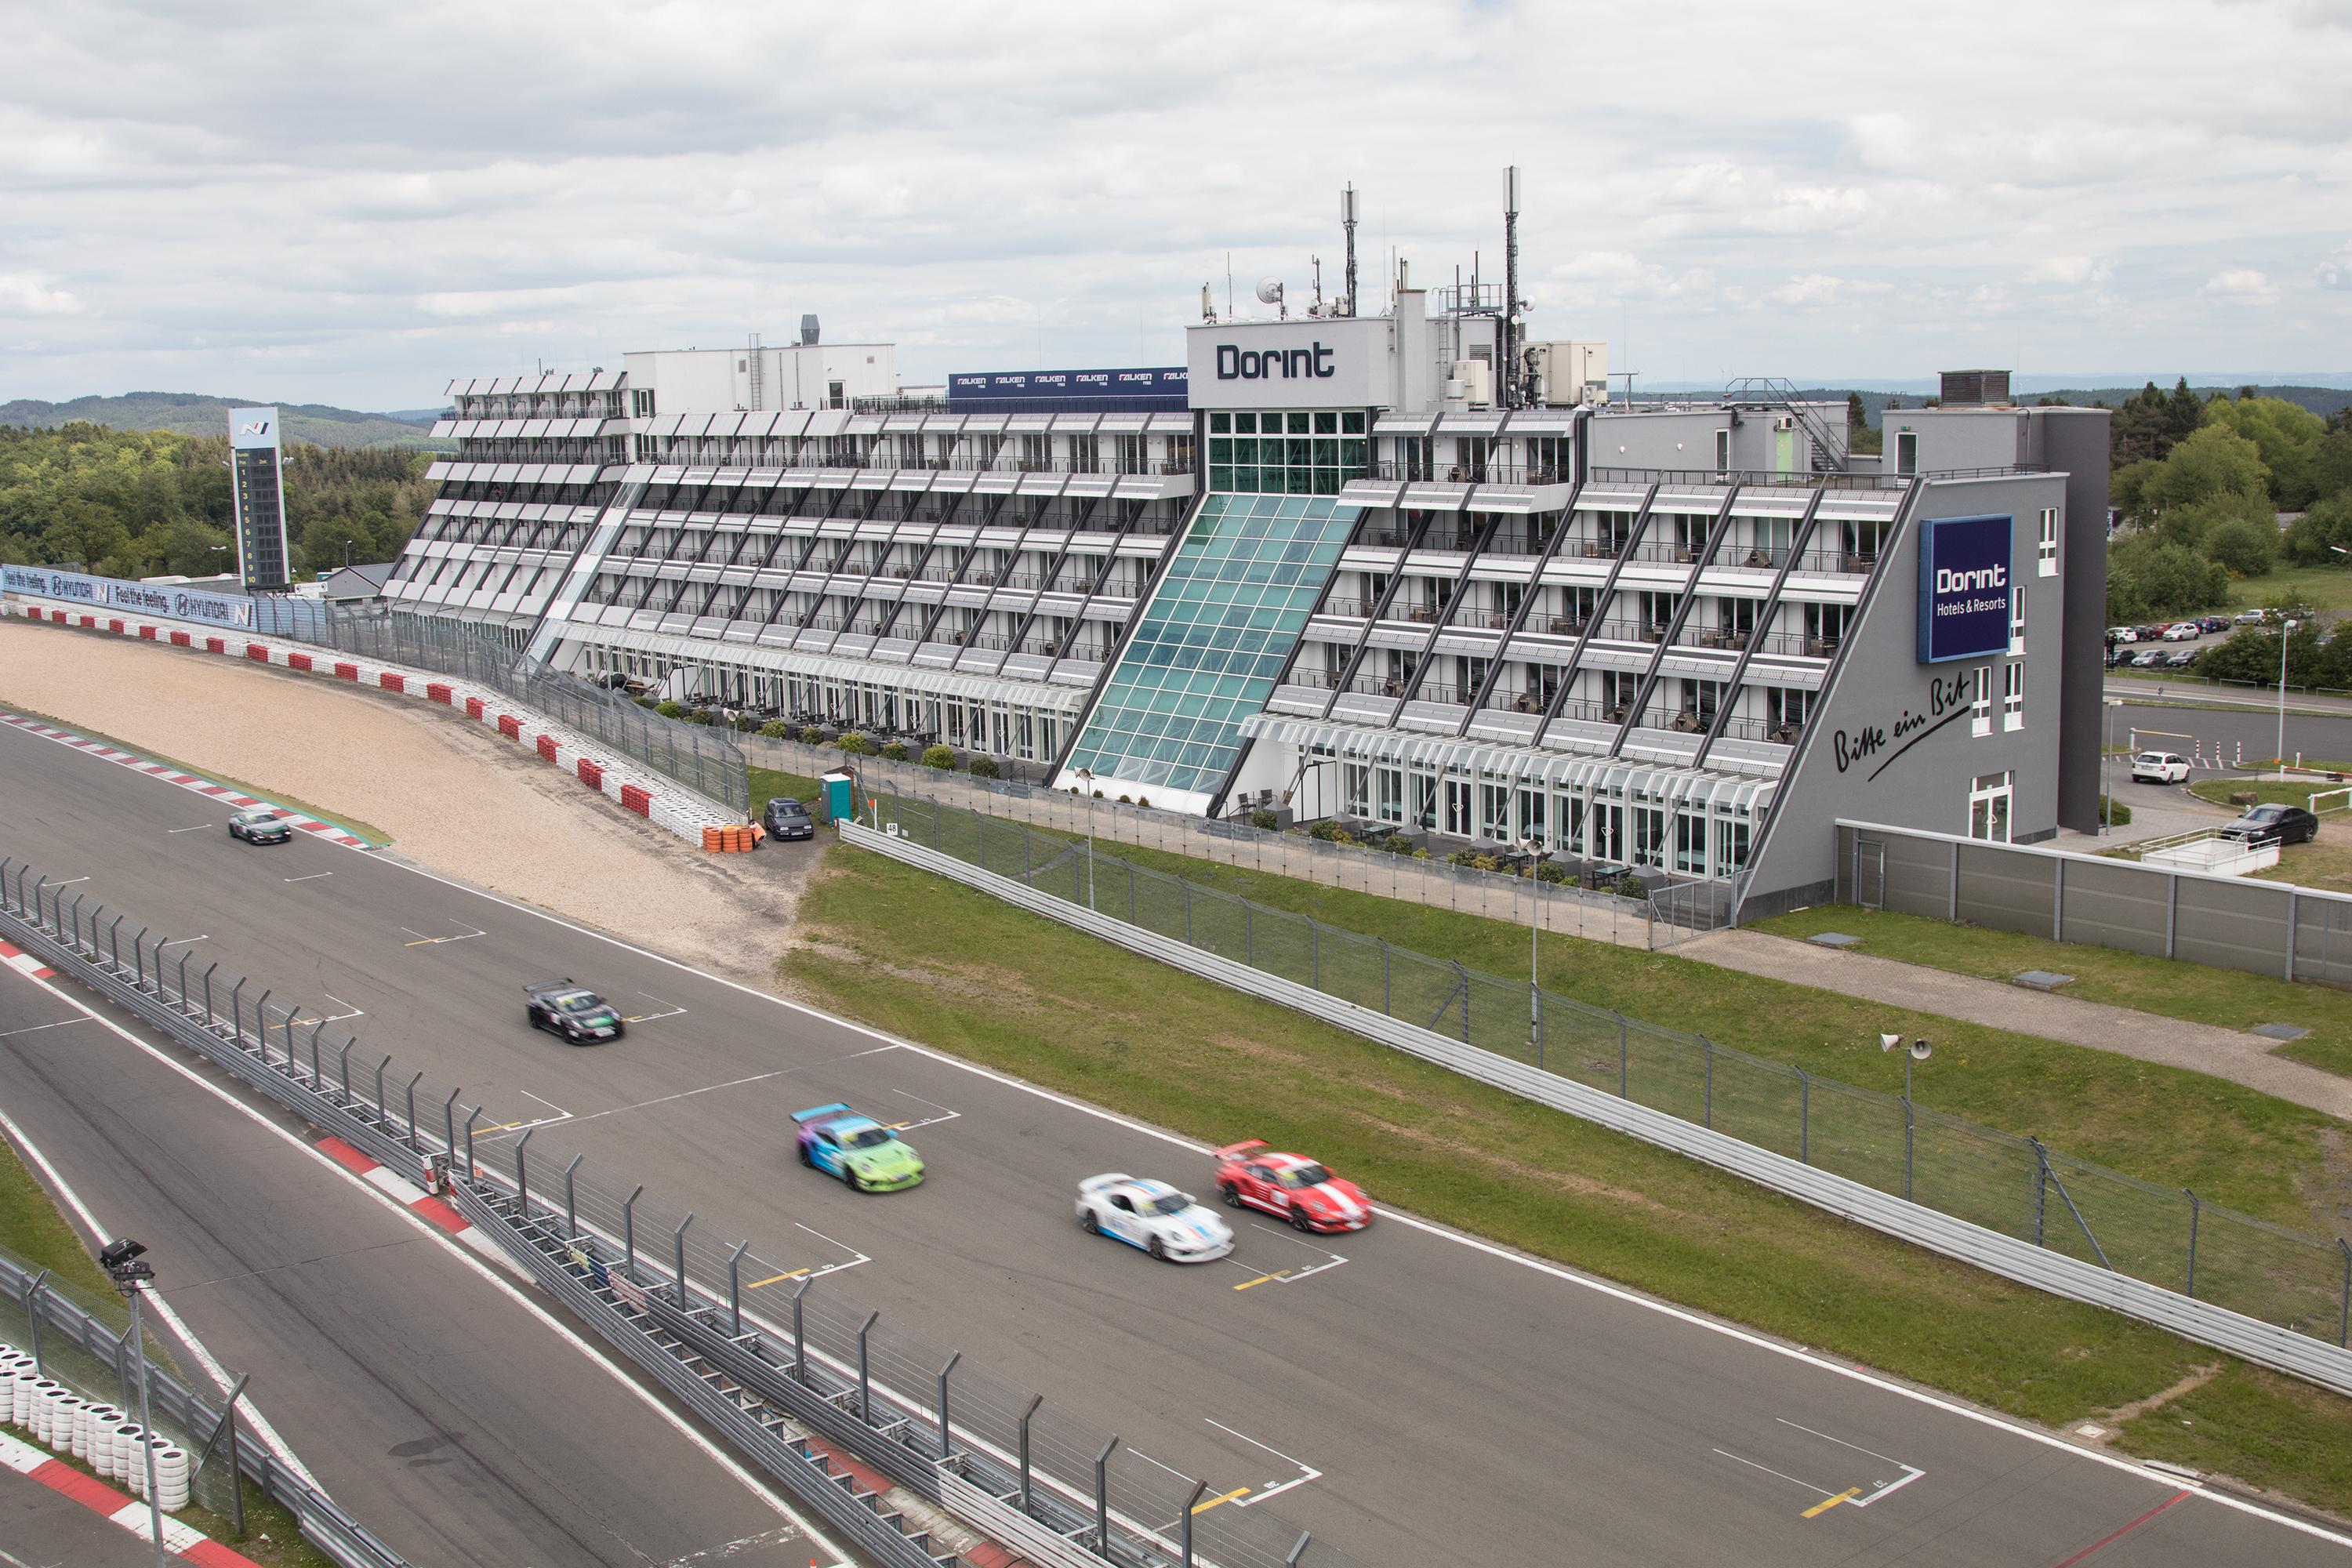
1509 345
1347 222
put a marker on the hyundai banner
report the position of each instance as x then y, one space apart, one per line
1964 588
165 599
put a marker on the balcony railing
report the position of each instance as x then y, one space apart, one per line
1437 473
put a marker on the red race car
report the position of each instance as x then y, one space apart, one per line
1289 1187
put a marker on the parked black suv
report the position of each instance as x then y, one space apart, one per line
787 818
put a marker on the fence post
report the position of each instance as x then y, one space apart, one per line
412 1109
33 1320
208 992
1102 1497
572 1201
2068 1199
629 1232
1804 1114
1298 1551
1910 1131
865 1380
2344 1311
183 981
1315 950
318 1079
291 1014
2041 1199
799 1331
383 1117
1710 1079
236 1476
522 1177
945 1440
261 1032
114 940
345 1072
448 1116
734 1283
1466 1000
2190 1289
1249 942
1188 910
472 1111
1189 1504
1385 1007
138 959
1130 892
678 1241
1621 1056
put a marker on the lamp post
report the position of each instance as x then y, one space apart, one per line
2107 772
2287 629
1534 845
1086 777
123 1265
1919 1051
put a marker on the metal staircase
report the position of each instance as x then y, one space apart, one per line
1828 443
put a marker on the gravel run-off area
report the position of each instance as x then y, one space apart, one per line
454 795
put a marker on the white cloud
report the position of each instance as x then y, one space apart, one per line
987 186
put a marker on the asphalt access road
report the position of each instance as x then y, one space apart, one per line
1457 1402
441 1414
2168 722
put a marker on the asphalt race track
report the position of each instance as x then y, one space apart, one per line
432 1405
1458 1404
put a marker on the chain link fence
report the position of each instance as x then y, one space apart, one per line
705 760
2014 1186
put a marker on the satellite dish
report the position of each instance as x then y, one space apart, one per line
1921 1050
1269 290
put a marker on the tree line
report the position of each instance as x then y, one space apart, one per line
143 504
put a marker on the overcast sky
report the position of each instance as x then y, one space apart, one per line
322 204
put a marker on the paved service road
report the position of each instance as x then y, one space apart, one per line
435 1407
1459 1403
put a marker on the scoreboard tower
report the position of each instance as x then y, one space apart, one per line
254 464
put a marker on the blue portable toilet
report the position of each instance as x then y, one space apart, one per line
840 796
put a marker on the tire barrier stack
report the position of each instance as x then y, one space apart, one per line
109 1440
730 840
608 772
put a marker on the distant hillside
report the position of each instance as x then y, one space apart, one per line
2321 400
192 413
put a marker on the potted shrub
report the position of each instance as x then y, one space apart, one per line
853 744
669 708
812 736
895 752
775 730
984 767
940 757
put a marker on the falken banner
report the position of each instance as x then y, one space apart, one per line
165 599
1166 381
1964 588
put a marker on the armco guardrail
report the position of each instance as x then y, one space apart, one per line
60 1330
789 1396
2052 1198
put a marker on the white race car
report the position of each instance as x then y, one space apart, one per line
1154 1216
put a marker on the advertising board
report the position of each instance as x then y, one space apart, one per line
1964 588
1164 381
165 599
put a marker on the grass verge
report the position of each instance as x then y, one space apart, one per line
2270 792
2272 1158
2225 998
769 783
33 1228
376 836
946 964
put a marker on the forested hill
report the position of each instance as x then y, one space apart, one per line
194 413
2324 401
136 503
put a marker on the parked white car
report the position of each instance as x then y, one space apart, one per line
2250 617
2122 634
1154 1217
2182 631
2159 767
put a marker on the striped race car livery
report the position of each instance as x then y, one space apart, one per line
1290 1187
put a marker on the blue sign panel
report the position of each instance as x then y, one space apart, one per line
1075 385
1964 588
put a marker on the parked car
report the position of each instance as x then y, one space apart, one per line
2275 825
2159 767
2250 617
785 818
2182 658
2150 634
2215 623
2122 634
2119 654
2150 660
2183 631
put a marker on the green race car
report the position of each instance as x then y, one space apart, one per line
859 1150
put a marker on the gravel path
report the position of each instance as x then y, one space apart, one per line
2203 1048
455 797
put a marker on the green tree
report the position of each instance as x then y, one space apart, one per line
2328 524
2287 436
2215 461
86 533
2147 578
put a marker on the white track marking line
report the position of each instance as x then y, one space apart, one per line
1910 1473
1840 1442
648 1017
1310 1472
178 939
1878 1489
311 878
498 1281
1568 1276
682 1094
339 1017
1769 1470
199 827
856 1257
37 1028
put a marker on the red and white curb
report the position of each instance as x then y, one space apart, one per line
25 962
187 1544
647 794
402 1190
170 774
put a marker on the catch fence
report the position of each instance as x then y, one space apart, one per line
84 1343
703 759
2017 1187
818 1368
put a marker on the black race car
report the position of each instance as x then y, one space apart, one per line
260 825
2275 825
574 1011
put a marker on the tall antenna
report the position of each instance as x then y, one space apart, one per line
1347 222
1509 345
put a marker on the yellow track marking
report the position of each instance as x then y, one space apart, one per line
1237 1492
1845 1496
1262 1279
770 1279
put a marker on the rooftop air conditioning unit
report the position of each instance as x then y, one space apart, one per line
1785 422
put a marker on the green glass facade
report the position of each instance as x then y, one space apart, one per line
1225 616
1302 452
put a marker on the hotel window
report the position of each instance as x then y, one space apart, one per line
1723 452
1355 789
1980 704
1731 846
2012 696
1907 453
2047 550
1304 452
1988 802
1690 843
2017 618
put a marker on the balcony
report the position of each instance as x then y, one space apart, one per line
1435 473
